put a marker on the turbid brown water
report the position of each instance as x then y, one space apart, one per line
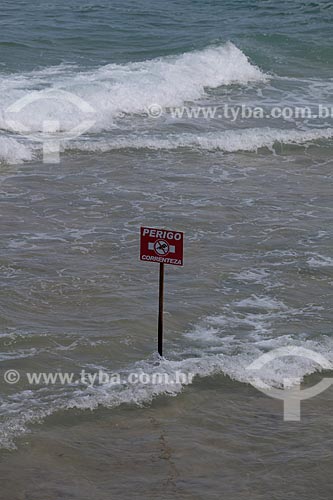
258 275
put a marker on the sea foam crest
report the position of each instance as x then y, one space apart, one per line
13 151
210 351
123 88
229 141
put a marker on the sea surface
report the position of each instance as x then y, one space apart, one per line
254 197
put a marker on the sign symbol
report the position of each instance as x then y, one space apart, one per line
161 247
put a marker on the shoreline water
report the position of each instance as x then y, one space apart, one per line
109 120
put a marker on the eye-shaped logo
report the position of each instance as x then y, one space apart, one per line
291 394
51 134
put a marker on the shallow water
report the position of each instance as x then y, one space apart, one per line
218 438
254 198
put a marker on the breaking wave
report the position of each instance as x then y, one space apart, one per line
126 88
229 141
212 347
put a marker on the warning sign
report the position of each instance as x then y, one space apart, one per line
162 245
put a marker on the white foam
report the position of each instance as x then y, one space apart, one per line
244 330
234 358
127 88
232 355
257 276
227 343
229 141
317 261
13 151
252 318
262 302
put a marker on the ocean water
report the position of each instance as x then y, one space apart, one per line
254 198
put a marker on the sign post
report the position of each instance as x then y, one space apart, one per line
160 310
164 247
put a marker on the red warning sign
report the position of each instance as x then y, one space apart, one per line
162 245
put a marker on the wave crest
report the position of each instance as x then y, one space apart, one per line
229 141
127 88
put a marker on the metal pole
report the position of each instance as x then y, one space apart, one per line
160 310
